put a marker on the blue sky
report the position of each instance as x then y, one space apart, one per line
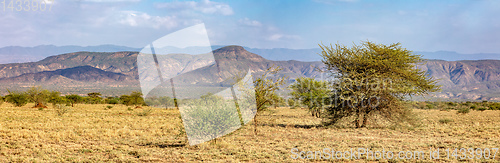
465 26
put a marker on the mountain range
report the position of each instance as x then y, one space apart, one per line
17 54
116 73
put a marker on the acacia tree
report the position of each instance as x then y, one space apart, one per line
56 98
312 93
373 79
73 99
93 98
39 96
265 90
266 87
135 98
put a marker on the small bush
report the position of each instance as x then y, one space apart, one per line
447 109
145 112
482 109
451 104
463 111
40 108
130 109
495 106
473 107
429 106
291 103
109 106
468 103
18 99
113 101
445 121
61 109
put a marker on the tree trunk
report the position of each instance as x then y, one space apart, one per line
365 117
357 121
255 124
365 120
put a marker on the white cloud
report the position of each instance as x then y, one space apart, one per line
279 37
248 22
135 19
205 6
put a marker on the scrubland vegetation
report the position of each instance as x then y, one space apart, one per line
364 108
93 133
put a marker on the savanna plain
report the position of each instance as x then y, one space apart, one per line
100 133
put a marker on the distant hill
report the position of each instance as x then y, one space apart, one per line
80 73
469 79
55 71
16 54
98 71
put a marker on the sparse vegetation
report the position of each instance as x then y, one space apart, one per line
135 98
61 109
481 109
265 91
495 106
312 93
145 112
445 120
16 98
42 136
463 111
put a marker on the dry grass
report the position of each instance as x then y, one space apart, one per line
91 133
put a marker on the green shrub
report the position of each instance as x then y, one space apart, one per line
40 108
429 106
130 109
463 111
16 98
495 106
113 101
445 121
482 109
451 104
473 107
447 109
291 103
468 103
61 109
109 107
209 117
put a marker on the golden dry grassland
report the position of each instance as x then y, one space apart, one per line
94 133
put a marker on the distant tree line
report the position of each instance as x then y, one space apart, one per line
42 97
